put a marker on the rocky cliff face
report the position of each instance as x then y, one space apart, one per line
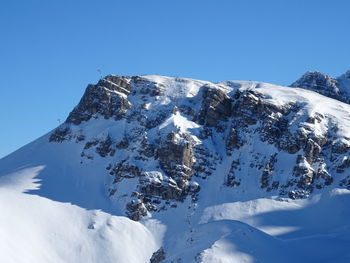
163 137
108 98
336 88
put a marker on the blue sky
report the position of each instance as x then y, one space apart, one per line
50 50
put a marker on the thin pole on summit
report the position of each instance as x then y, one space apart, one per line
99 72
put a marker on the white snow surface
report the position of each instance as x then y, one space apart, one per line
38 229
54 207
313 102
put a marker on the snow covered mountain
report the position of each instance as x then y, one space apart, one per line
160 169
336 88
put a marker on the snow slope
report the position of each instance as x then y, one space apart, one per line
61 202
37 229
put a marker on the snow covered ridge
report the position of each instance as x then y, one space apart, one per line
151 169
336 88
168 134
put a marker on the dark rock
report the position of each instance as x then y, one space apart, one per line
90 144
216 106
340 146
159 118
147 149
147 87
267 173
345 182
80 138
312 150
60 134
304 171
135 209
107 98
105 148
167 190
158 256
345 163
231 179
125 170
233 141
323 84
173 152
123 144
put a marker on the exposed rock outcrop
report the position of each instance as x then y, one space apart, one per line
60 134
216 106
158 256
323 84
107 98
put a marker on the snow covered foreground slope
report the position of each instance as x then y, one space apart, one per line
159 169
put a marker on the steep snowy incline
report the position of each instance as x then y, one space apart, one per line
160 169
37 229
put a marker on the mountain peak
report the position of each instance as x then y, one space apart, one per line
324 84
346 75
107 98
187 159
317 81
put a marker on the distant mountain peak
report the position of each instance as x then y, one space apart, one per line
346 75
326 85
319 82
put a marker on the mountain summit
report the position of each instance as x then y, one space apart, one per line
336 88
160 169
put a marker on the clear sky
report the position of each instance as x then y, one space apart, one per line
50 50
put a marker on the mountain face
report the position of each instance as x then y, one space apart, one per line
160 169
336 88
